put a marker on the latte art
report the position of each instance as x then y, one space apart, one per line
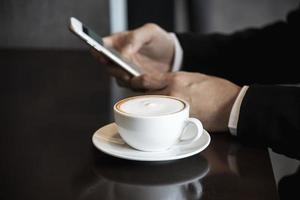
151 106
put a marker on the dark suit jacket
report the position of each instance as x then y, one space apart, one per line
261 58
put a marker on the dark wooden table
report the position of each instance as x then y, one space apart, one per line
53 101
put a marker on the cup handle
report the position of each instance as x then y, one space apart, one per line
192 126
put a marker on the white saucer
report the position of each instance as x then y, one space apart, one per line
108 140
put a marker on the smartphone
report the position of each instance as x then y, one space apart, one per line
95 41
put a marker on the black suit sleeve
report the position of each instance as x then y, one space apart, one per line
270 115
247 56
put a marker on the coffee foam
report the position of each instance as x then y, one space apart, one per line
151 106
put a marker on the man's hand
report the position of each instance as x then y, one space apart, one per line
211 98
149 47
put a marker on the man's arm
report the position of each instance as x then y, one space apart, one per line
262 55
270 116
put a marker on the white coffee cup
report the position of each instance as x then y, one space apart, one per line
155 122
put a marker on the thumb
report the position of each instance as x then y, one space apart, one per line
126 43
116 40
134 40
108 41
130 42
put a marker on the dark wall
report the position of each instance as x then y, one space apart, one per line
231 15
44 23
154 11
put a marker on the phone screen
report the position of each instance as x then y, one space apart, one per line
92 34
99 40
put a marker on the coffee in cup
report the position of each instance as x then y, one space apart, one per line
155 122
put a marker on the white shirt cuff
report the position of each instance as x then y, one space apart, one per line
235 111
178 54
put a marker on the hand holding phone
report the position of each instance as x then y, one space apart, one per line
95 41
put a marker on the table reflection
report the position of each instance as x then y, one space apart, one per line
114 178
237 171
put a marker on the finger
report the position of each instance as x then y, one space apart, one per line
130 42
100 57
164 91
159 81
117 40
149 82
118 73
122 83
126 84
122 42
108 41
144 35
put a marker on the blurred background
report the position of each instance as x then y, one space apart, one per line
37 50
43 24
